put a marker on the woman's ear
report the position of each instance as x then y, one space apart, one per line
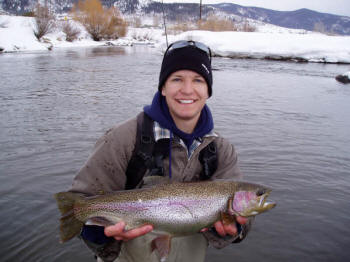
163 90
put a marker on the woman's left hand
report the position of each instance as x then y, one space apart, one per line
229 229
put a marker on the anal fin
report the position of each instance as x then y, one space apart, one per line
162 246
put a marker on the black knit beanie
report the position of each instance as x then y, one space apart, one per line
190 58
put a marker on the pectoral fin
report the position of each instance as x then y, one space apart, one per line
227 218
99 221
161 245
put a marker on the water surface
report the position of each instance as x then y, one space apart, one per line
288 121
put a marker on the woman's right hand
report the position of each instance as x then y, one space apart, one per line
119 233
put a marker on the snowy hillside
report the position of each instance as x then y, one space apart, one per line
270 42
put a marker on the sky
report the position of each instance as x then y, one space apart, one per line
338 7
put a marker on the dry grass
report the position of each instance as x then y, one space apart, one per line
181 27
247 27
213 23
216 24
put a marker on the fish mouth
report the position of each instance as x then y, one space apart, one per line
263 204
251 203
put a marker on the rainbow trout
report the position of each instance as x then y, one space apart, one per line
174 209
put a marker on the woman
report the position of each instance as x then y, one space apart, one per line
179 115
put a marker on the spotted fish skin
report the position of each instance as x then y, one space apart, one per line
175 209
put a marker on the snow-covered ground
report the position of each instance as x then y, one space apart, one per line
271 42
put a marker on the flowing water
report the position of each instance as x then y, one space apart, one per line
290 123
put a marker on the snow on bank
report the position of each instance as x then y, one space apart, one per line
313 47
16 34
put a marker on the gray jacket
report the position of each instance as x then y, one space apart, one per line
105 171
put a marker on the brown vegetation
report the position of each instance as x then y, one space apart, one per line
70 30
321 28
181 27
214 23
101 23
246 27
44 21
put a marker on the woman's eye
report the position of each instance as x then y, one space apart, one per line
198 80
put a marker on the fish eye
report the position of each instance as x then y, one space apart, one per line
260 192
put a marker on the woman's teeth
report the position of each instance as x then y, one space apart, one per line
186 101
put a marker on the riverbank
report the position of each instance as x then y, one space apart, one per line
269 42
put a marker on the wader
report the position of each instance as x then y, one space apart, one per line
183 249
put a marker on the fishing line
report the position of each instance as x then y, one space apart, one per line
166 35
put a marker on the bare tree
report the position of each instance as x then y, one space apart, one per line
44 21
70 30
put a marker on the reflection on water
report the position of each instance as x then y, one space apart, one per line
288 121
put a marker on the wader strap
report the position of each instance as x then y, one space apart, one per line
209 161
141 158
161 151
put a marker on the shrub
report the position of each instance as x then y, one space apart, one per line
180 27
29 14
156 21
70 30
319 27
214 23
99 21
246 27
116 27
137 22
44 21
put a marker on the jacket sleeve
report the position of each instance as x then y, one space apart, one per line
104 172
227 169
227 161
105 169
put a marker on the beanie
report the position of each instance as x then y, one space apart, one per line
190 58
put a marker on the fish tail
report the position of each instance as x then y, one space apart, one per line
70 226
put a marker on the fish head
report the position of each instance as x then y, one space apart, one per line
248 202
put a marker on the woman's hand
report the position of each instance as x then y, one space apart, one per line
229 229
119 233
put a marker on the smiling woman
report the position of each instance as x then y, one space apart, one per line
179 126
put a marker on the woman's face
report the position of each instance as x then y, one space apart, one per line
186 93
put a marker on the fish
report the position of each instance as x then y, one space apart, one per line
174 209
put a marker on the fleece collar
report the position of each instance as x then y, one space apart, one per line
159 112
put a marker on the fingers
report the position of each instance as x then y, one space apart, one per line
119 233
115 230
229 229
136 232
224 230
219 227
241 220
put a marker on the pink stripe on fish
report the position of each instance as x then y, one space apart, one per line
144 205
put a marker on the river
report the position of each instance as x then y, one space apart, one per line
290 123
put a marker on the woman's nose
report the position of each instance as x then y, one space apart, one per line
187 87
